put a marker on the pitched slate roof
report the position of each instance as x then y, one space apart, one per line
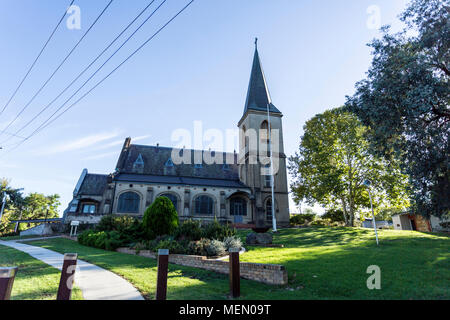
157 161
93 184
258 95
140 178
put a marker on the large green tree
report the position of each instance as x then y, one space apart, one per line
15 201
32 206
405 102
39 206
333 162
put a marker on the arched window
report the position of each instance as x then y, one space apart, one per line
244 137
129 202
204 205
172 198
238 207
269 210
264 131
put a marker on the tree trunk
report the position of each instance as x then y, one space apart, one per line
344 209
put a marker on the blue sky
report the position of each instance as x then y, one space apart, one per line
197 69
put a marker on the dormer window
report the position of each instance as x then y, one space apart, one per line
138 165
226 167
198 166
169 163
89 208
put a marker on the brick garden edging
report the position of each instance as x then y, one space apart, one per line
266 273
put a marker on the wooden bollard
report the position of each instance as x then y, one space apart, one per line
235 273
163 267
67 276
7 276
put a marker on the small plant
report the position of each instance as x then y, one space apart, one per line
232 243
190 230
197 247
217 231
172 245
215 248
206 247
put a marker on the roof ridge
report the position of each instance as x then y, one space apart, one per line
162 147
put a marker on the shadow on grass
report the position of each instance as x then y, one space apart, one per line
322 263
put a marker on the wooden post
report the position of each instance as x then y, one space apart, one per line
163 266
67 276
7 276
235 274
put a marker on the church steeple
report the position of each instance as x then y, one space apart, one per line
258 95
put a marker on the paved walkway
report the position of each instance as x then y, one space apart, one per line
96 283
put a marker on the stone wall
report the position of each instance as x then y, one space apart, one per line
266 273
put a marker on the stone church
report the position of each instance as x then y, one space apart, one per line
236 191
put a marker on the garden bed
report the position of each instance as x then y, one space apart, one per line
266 273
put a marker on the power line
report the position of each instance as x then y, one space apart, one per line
90 65
49 120
35 60
60 65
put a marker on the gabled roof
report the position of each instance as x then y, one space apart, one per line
258 96
93 185
155 161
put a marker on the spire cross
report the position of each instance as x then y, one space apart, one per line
256 43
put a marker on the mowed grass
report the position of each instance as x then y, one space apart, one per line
331 263
34 280
322 263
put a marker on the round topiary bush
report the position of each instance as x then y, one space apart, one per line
161 218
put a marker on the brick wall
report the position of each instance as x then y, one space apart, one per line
266 273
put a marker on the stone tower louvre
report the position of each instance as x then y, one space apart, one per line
254 151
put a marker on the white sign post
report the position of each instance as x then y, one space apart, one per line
73 228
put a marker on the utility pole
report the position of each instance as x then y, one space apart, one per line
3 205
20 215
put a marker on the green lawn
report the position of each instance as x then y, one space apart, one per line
35 280
322 263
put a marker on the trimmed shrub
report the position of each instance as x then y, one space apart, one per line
334 215
190 230
217 231
115 223
301 219
128 227
101 239
232 243
160 218
321 223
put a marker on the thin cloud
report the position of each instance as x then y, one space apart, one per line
120 142
78 144
101 156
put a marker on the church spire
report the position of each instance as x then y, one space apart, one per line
258 95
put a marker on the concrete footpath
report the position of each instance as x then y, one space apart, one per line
95 283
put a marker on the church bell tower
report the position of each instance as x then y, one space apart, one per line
254 154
